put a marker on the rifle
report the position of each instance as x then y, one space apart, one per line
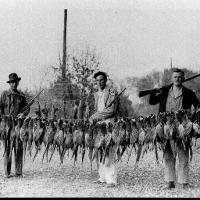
157 90
110 104
23 110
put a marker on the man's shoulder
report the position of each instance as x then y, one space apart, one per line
18 93
167 88
22 93
112 91
164 91
5 92
187 90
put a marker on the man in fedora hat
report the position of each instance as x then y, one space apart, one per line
12 101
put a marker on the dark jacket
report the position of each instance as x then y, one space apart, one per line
189 99
12 103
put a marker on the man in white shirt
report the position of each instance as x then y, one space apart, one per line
103 97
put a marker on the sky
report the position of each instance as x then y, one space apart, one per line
133 37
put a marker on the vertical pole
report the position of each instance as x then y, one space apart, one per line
65 76
64 60
64 45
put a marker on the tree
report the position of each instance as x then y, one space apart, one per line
84 65
79 75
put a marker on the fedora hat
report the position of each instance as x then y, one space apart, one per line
13 77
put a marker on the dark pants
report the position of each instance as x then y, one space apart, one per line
18 158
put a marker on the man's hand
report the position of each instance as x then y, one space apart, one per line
91 120
21 115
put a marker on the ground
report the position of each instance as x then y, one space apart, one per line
55 180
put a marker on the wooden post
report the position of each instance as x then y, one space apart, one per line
64 61
65 79
64 45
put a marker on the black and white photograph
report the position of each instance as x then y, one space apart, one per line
100 98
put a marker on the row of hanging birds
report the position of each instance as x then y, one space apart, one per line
143 134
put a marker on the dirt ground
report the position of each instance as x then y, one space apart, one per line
55 180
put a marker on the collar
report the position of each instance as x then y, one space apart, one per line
178 94
17 92
13 92
105 89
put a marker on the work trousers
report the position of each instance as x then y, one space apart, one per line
170 163
18 158
108 170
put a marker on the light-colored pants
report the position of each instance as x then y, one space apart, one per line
170 164
108 170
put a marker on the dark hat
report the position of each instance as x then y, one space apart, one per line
100 73
13 77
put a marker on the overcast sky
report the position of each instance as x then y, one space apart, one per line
133 37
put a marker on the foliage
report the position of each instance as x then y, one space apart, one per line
83 67
76 85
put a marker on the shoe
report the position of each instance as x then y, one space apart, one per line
111 185
185 186
7 176
98 181
18 175
170 186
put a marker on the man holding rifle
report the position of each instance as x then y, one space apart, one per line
12 101
173 98
105 112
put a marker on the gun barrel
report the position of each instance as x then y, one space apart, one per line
190 78
115 98
31 102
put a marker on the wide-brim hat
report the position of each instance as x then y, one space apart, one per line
13 77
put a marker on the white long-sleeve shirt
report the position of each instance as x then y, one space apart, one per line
101 103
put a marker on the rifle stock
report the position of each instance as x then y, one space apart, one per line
155 90
145 92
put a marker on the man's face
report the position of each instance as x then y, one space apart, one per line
177 78
13 85
101 81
